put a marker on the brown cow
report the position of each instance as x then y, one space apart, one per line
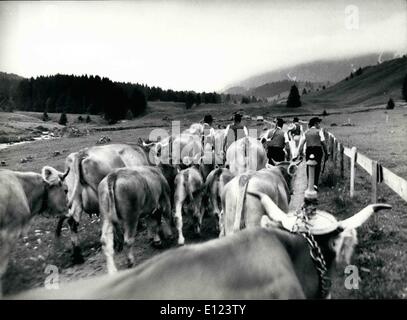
240 211
256 263
245 154
87 168
189 187
214 187
23 195
125 195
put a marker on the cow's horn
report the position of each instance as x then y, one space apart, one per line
147 144
359 218
272 210
62 176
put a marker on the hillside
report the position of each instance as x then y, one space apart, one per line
332 70
374 86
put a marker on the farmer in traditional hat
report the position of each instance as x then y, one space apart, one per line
239 130
276 141
315 144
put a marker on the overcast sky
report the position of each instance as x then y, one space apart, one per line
191 45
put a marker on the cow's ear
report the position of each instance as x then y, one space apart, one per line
50 175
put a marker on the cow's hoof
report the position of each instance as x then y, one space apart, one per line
77 257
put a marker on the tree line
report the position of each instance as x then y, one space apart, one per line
91 95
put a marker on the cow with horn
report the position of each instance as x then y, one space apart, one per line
86 169
265 262
240 211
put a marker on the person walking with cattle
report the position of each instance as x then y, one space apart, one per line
208 131
314 142
276 141
237 127
294 131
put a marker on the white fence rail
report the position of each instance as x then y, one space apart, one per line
376 171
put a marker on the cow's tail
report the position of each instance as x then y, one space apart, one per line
243 183
111 199
186 185
213 180
76 171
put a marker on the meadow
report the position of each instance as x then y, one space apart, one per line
381 255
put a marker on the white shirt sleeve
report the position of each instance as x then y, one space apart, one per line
286 140
321 134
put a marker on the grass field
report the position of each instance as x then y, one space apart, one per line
381 255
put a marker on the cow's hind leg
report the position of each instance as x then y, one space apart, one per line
118 237
154 222
107 245
130 233
77 256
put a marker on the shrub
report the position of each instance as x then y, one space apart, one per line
45 116
63 120
390 104
129 115
88 119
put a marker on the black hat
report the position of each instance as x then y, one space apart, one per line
295 119
280 122
314 120
237 116
208 118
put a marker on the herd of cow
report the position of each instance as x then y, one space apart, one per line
161 182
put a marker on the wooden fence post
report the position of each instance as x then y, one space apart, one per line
334 152
374 181
341 155
352 171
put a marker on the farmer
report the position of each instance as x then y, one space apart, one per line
276 142
294 131
208 131
237 127
315 143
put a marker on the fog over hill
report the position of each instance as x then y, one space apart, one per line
332 70
375 85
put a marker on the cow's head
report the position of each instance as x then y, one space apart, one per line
154 150
55 200
288 169
336 239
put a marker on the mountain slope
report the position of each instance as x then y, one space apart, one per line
332 70
374 86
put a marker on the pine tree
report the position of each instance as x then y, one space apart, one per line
129 115
294 100
63 119
390 104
